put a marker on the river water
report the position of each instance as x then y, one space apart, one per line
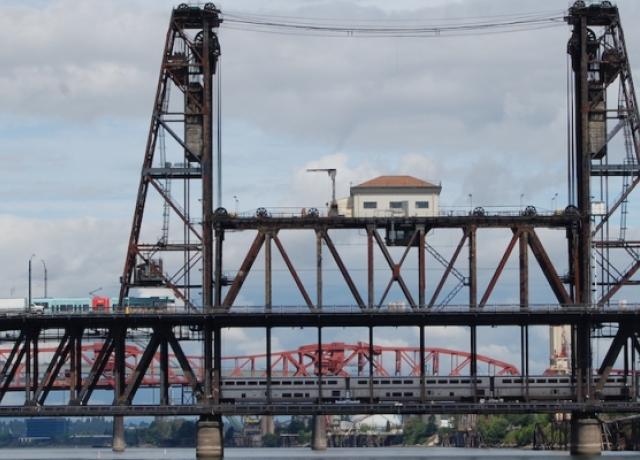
403 453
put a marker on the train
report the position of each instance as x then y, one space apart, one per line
102 304
408 389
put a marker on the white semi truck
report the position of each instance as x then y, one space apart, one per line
18 305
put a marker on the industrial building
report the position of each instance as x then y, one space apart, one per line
392 196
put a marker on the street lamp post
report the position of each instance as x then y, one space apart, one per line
521 199
235 198
553 201
44 265
471 201
29 300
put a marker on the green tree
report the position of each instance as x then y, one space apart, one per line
270 440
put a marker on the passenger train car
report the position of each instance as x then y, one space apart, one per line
101 304
408 389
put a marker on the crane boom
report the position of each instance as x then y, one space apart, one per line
333 205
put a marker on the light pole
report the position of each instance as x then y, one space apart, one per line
44 265
471 201
29 300
553 201
521 199
235 198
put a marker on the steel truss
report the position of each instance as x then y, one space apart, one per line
599 58
189 62
124 363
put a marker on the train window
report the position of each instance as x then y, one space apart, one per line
297 382
397 395
286 395
309 382
442 382
453 381
385 382
362 382
564 380
286 382
408 393
263 382
506 380
275 382
517 380
553 380
335 393
431 382
253 382
229 383
388 394
465 381
333 382
243 395
397 382
375 382
298 395
541 380
408 381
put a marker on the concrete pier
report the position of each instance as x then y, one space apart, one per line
209 440
586 436
266 425
118 444
319 433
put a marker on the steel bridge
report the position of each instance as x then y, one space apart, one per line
189 258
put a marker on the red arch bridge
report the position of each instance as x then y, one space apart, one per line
338 358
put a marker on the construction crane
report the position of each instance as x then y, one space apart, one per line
333 205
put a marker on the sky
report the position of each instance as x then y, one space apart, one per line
484 116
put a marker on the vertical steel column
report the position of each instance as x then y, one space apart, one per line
524 359
119 338
217 364
207 339
218 267
319 365
634 377
473 276
370 269
35 374
626 362
421 267
206 164
268 285
268 358
473 367
371 364
164 372
319 268
582 344
524 269
523 249
27 367
423 392
75 365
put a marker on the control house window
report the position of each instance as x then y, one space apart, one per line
396 204
370 204
422 205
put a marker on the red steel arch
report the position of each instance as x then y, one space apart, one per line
338 358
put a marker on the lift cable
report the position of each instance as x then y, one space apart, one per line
463 26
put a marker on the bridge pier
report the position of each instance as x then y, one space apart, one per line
209 438
319 433
586 435
118 444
